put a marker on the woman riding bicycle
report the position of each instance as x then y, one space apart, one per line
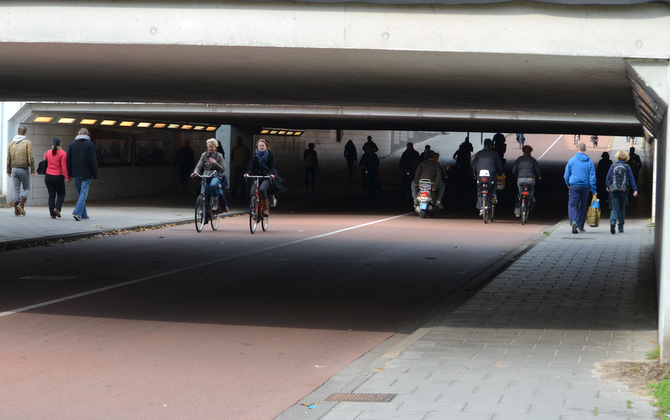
263 163
526 170
211 161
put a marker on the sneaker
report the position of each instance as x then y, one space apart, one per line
574 228
77 217
273 202
612 228
481 212
582 230
225 208
439 204
621 229
57 212
494 199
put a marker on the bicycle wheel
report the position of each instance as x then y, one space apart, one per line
253 213
486 206
199 213
265 221
215 218
492 213
524 212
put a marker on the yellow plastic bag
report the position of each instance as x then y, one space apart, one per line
593 213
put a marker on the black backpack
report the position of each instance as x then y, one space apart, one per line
619 179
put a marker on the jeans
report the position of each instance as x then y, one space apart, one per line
214 187
262 189
83 184
56 186
618 203
21 176
578 204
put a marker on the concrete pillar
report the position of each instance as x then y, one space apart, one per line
662 234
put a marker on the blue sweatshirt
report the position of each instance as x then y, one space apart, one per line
580 171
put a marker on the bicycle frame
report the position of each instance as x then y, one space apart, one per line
256 206
524 201
204 205
484 183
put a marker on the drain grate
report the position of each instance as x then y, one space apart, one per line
362 397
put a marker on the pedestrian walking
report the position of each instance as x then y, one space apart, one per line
351 156
409 161
240 157
311 162
20 166
580 178
601 175
620 181
55 177
82 164
184 161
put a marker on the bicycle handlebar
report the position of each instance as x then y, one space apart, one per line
207 176
258 176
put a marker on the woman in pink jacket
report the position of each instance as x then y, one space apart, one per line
55 177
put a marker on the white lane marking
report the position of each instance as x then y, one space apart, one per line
549 148
142 279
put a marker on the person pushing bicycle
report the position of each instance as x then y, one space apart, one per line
527 171
211 161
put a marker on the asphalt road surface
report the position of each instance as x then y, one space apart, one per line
171 323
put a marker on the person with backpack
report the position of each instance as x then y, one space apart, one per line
619 181
311 166
580 178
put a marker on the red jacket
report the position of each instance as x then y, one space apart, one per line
57 164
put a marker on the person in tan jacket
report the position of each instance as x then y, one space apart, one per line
20 166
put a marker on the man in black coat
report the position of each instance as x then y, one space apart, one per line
82 164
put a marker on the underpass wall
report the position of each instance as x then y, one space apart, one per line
142 176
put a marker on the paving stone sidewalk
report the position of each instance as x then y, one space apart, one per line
527 344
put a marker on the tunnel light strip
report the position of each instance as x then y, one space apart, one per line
46 119
192 267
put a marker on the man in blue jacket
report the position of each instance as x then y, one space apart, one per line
580 177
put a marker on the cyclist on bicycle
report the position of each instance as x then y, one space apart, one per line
489 160
430 169
263 163
526 170
211 161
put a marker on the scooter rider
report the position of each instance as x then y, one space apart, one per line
526 170
430 169
489 160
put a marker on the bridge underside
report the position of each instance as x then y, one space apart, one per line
326 88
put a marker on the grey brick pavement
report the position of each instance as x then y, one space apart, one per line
526 345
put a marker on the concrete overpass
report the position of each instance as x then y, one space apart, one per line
392 65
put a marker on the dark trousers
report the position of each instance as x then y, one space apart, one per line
238 181
56 187
578 204
310 175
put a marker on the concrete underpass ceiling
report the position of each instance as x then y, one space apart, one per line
325 88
